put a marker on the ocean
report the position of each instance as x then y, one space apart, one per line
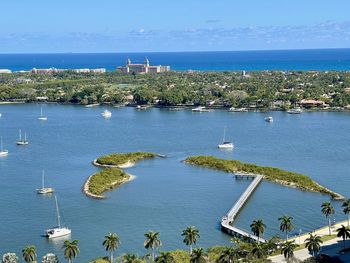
316 59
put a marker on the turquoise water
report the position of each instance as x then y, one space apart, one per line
308 59
167 195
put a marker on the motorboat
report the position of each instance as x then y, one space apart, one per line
201 109
106 114
268 119
297 110
233 109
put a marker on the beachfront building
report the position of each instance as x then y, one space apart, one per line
142 68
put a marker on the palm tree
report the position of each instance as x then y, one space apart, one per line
129 258
71 250
152 241
258 228
10 258
228 255
313 244
258 250
29 254
49 258
328 210
271 244
286 224
198 256
111 243
346 210
288 248
190 234
343 232
165 257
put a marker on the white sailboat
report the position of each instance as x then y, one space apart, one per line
2 151
22 141
225 144
42 117
59 230
43 189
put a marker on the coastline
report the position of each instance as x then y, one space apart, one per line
86 191
128 164
322 189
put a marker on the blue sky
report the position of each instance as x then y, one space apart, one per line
39 26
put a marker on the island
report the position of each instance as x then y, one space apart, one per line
112 175
272 174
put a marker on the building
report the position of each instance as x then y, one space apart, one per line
142 68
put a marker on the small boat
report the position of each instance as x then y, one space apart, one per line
57 231
225 144
268 119
297 110
142 107
42 117
106 114
201 109
92 105
176 109
233 109
22 141
43 189
2 151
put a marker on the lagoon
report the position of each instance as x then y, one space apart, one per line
167 195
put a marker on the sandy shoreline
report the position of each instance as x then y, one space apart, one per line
128 164
115 184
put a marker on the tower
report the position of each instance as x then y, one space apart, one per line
146 62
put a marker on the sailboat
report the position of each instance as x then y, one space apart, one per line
225 144
43 189
59 230
42 117
20 141
2 151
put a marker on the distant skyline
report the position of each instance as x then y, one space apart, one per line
79 26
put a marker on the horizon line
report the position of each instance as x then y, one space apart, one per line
197 51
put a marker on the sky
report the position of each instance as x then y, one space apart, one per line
55 26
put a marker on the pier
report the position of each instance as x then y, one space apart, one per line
228 219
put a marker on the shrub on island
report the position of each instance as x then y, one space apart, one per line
277 175
122 158
106 179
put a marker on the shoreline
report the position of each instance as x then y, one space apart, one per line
128 164
186 107
334 195
114 185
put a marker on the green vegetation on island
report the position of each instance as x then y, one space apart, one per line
106 179
273 174
117 159
253 90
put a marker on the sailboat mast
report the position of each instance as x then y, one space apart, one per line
42 180
25 137
223 139
58 213
41 111
20 135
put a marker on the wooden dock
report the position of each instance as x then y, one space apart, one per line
228 219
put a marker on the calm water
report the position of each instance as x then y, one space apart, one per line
319 59
167 195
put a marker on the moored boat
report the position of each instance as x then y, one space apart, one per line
57 231
296 110
225 144
43 189
268 119
106 114
201 109
233 109
3 152
22 141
